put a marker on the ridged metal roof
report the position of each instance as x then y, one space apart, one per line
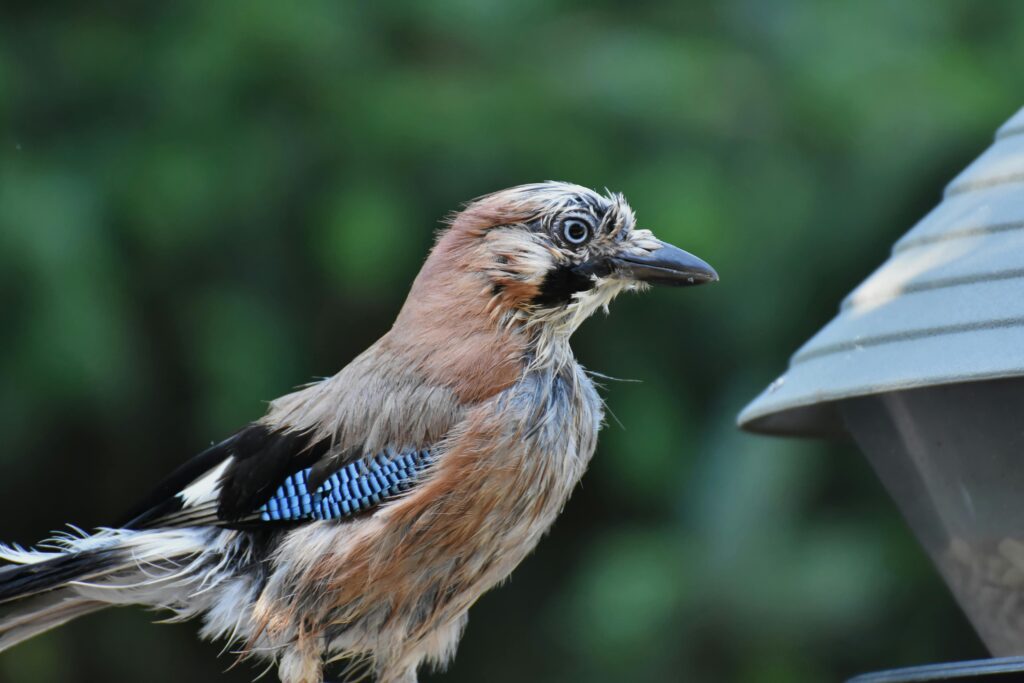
948 305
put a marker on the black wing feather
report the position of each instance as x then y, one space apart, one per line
262 459
164 500
276 477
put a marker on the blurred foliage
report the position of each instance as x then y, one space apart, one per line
203 204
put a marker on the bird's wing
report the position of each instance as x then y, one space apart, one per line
263 476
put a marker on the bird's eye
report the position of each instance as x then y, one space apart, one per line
575 231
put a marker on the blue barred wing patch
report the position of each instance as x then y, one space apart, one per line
354 488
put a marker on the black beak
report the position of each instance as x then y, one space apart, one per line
667 265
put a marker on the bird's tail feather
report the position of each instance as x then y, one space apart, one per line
30 616
76 575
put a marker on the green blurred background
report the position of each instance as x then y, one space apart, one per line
203 204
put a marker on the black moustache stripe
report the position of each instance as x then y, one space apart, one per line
562 282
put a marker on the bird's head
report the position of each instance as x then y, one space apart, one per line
516 272
551 254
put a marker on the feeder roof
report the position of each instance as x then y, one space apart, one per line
947 307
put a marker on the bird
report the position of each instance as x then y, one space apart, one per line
363 514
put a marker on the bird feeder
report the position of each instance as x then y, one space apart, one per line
924 367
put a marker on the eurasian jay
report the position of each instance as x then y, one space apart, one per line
362 515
